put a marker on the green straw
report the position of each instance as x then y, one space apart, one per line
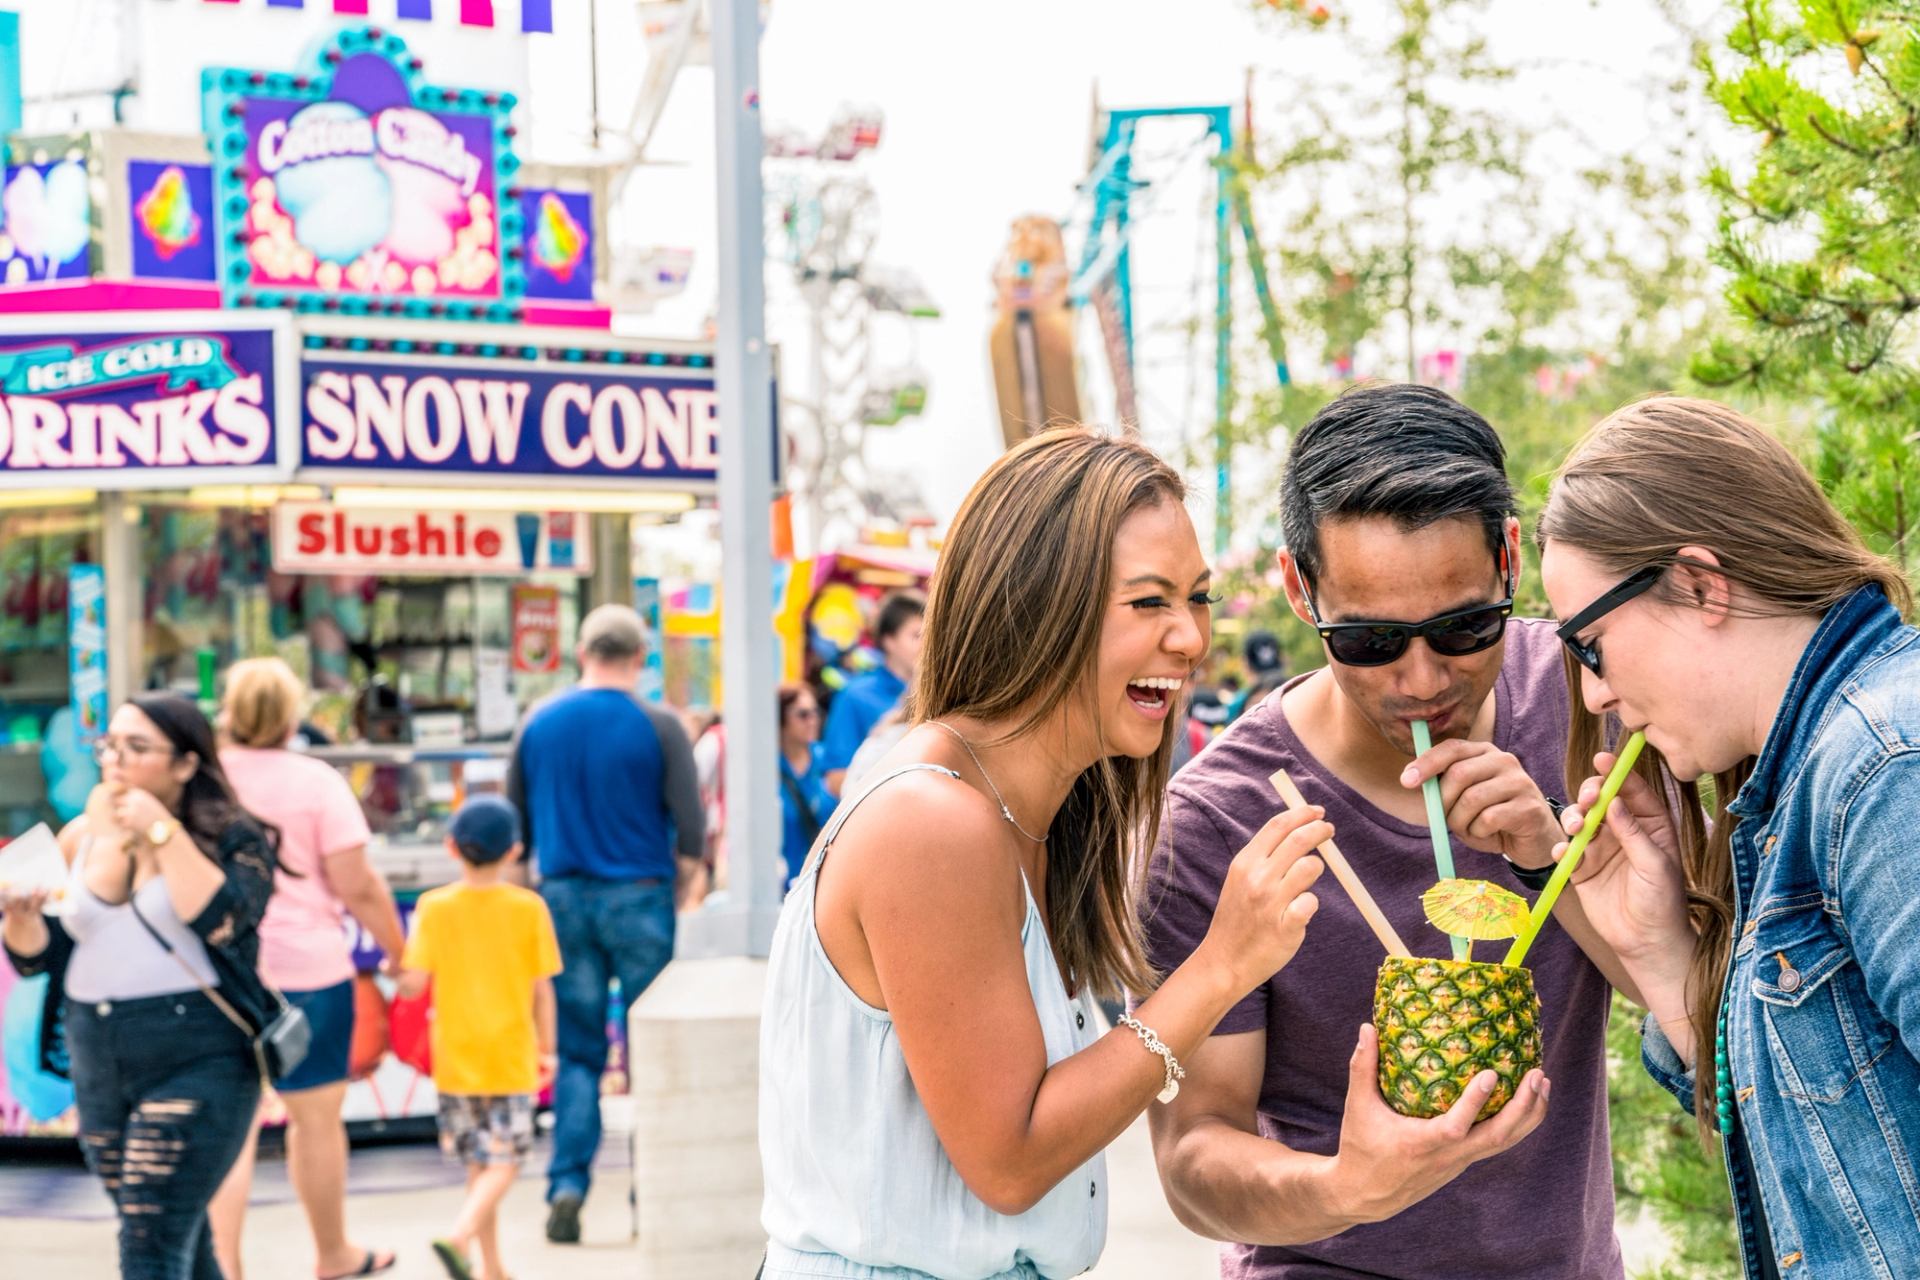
1437 827
1595 816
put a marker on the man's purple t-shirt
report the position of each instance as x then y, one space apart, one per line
1541 1211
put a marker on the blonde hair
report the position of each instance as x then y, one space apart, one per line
1672 472
262 703
1014 615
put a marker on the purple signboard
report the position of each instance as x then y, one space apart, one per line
46 223
359 181
559 244
170 211
99 402
362 418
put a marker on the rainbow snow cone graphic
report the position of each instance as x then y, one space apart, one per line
559 242
166 213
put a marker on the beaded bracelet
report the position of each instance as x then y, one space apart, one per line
1175 1072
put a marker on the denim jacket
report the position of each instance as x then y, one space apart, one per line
1823 995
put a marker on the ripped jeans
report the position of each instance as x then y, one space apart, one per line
166 1088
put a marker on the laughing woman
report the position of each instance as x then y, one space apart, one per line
1715 599
936 1091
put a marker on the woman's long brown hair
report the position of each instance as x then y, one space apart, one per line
1672 472
1014 614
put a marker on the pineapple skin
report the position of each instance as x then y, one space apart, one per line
1441 1022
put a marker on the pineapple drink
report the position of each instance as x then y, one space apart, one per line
1442 1022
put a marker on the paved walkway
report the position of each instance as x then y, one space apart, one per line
59 1224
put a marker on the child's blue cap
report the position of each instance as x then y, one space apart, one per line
486 828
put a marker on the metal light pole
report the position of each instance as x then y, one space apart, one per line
743 366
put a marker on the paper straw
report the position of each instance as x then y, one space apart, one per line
1343 872
1595 816
1437 828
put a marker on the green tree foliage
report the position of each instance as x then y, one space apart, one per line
1410 205
1659 1167
1819 234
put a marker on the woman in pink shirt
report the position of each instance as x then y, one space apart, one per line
324 877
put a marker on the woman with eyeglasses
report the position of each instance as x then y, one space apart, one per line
805 802
1715 600
169 879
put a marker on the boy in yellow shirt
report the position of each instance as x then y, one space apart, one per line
489 948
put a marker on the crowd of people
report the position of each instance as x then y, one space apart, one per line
1025 809
203 956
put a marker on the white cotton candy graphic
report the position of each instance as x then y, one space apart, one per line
69 210
342 205
425 208
26 204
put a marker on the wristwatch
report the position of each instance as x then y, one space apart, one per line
161 831
1535 878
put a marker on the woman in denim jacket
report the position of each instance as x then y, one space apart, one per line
1716 600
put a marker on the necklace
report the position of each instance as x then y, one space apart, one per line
1005 812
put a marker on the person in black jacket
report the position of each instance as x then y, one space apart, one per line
169 878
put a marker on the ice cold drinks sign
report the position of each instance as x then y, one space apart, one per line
129 410
362 418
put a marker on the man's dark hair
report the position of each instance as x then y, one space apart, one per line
896 611
1410 453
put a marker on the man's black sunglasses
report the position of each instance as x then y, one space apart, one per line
1451 635
1588 651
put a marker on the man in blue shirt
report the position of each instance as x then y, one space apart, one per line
898 630
605 786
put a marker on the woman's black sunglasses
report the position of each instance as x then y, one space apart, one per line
1451 635
1588 651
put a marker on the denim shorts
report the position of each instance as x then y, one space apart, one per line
329 1013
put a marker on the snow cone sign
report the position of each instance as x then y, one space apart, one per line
91 402
357 189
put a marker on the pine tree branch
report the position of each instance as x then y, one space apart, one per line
1833 139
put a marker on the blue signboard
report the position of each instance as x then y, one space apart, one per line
414 419
646 603
154 401
171 209
47 212
558 244
87 649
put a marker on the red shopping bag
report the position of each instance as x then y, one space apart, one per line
410 1029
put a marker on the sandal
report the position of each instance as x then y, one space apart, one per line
453 1260
372 1265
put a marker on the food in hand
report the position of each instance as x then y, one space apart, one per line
1442 1022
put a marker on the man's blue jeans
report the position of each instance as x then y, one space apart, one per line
607 929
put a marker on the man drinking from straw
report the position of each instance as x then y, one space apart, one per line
1403 552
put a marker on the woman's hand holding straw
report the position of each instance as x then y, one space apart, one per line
1595 816
1343 872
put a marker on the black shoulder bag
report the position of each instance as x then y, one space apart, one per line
278 1047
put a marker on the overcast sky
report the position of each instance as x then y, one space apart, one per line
989 108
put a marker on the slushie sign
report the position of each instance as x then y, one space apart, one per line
365 417
359 182
115 409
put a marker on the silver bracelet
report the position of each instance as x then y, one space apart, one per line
1175 1072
